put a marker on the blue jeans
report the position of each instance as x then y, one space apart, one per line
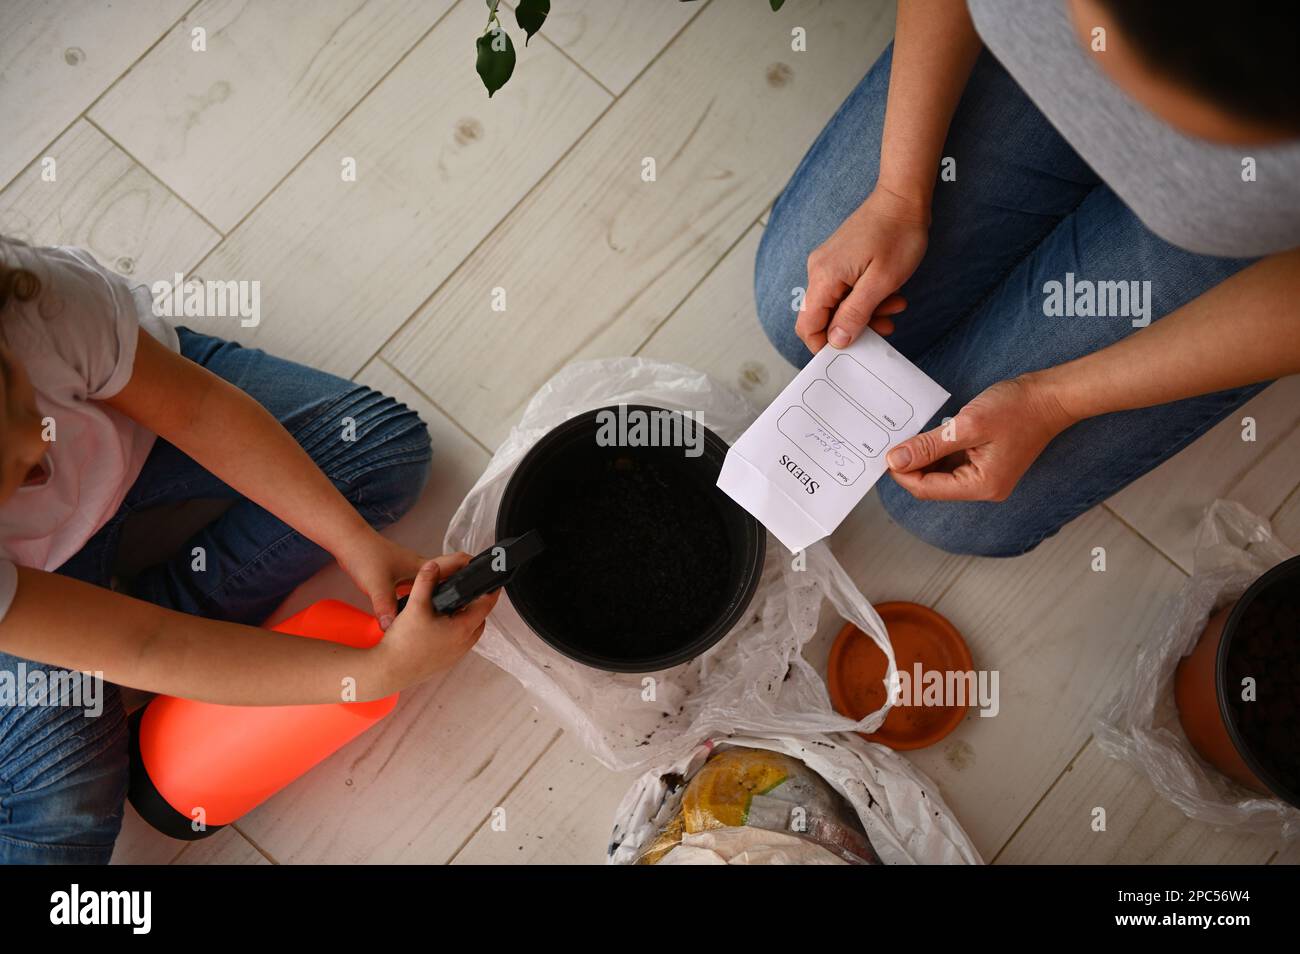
63 774
1024 210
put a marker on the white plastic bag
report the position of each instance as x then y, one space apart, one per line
754 680
747 846
904 817
1234 547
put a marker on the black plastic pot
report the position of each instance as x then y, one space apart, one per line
1275 762
672 574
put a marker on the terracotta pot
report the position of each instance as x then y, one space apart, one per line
1196 693
1201 686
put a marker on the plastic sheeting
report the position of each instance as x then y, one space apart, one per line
904 817
754 682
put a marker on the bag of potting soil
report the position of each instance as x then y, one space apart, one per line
1234 547
754 682
781 800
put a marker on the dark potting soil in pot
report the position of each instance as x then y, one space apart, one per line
1266 648
637 555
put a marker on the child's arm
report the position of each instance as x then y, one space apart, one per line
73 625
238 440
235 438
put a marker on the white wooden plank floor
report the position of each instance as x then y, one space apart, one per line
227 163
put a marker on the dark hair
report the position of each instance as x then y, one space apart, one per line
1243 57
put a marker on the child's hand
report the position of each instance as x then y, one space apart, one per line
421 642
376 565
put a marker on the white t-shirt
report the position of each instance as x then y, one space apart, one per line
77 343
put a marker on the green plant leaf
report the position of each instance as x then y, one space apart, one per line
495 65
776 5
492 6
530 15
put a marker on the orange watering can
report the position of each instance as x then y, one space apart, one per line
198 766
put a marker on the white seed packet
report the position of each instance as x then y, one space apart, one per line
818 448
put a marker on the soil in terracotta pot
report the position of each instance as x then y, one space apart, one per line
1266 648
637 555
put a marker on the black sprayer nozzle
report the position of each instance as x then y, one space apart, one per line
490 570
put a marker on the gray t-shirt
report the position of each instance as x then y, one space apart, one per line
1186 190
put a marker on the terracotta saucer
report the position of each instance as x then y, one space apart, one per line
856 672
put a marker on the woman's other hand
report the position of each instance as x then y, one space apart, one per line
982 453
